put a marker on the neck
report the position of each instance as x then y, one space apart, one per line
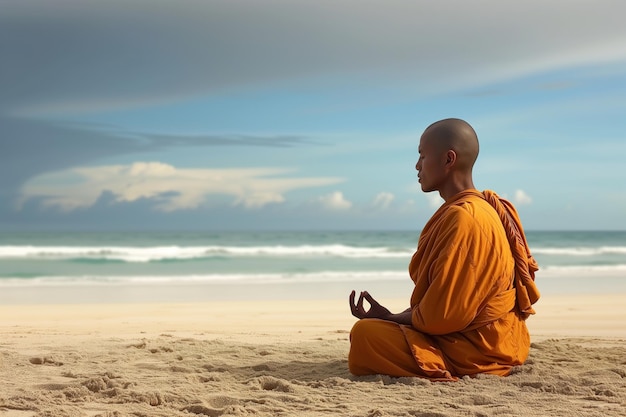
456 186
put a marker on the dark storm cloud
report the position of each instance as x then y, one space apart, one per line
77 55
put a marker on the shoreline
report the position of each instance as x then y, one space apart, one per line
36 293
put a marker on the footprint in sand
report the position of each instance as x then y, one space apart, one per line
37 360
216 406
203 410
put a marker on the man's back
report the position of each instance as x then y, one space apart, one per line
464 293
462 258
464 318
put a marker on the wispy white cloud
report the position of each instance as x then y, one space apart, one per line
171 188
383 200
335 201
522 198
434 200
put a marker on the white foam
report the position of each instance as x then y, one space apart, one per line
321 277
156 253
582 270
581 251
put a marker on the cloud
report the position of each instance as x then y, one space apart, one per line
77 56
434 199
64 145
72 60
168 187
335 201
383 200
64 58
522 198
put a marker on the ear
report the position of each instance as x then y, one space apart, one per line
450 158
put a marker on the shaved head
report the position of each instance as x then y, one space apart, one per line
448 149
456 135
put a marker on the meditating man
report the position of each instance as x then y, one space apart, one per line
473 275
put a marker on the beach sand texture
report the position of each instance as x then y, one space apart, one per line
286 358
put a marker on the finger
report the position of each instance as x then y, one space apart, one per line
352 305
359 303
370 299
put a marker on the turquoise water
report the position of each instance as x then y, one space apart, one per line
567 259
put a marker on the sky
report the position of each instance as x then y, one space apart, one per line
304 115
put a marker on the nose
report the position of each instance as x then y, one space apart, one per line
418 165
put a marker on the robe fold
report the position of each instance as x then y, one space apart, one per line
474 288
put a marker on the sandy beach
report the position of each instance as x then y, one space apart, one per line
286 358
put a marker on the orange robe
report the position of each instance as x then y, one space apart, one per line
474 288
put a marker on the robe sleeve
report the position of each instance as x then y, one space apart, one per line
454 295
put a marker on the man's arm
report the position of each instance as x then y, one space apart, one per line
402 318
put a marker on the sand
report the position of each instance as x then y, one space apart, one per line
286 358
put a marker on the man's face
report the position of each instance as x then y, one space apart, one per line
430 165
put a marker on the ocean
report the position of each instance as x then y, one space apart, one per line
260 262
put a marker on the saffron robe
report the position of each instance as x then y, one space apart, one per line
474 288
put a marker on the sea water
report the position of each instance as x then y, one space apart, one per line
569 261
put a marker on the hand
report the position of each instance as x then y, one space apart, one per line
376 311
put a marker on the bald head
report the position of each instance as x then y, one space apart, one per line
448 149
456 135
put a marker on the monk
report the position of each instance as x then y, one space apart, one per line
473 275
